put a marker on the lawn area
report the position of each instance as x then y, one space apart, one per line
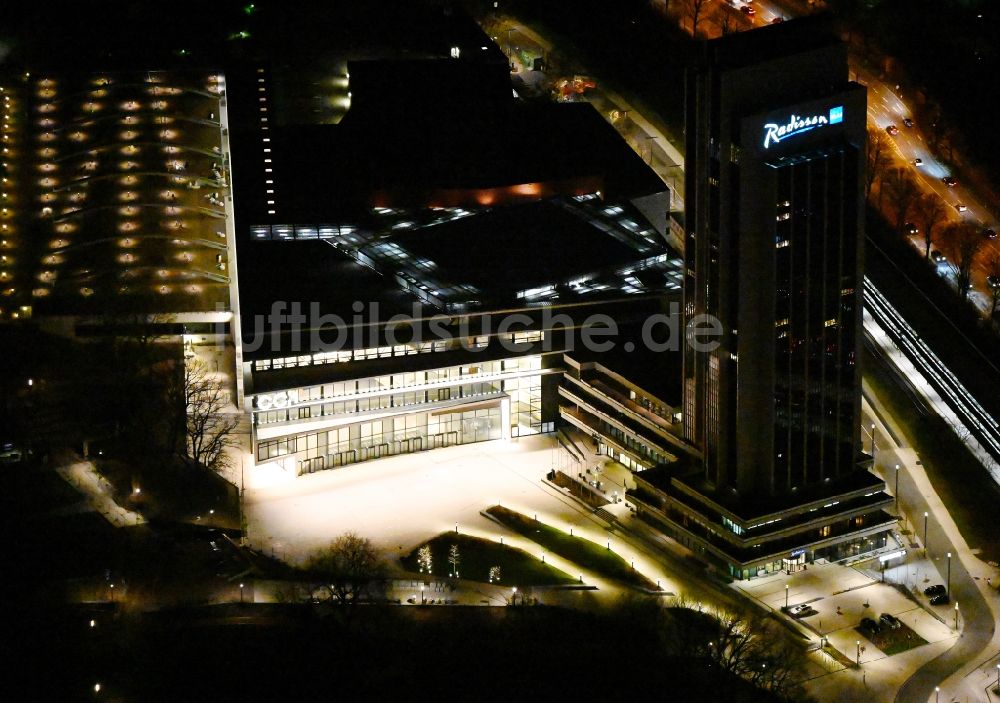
595 557
893 641
171 491
31 490
477 556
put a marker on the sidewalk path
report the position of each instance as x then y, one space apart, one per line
84 477
978 615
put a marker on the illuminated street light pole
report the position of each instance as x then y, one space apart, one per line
937 694
897 490
956 615
925 533
786 596
858 644
241 592
948 587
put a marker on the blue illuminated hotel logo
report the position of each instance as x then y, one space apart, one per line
774 133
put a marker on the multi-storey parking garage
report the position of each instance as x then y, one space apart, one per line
114 188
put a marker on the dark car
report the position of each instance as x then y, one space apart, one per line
907 122
749 11
993 281
910 228
940 599
949 181
938 257
893 130
870 625
990 233
934 590
777 20
889 620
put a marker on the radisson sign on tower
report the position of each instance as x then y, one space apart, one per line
774 133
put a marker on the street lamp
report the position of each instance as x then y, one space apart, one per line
873 444
786 596
241 593
956 615
513 597
925 533
897 490
948 587
858 643
937 694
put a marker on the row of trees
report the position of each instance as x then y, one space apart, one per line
742 643
896 193
161 407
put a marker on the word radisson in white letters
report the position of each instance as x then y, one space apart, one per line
774 133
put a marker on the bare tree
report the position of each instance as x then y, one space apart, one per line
350 568
902 191
930 211
877 159
746 645
726 20
208 431
694 8
961 242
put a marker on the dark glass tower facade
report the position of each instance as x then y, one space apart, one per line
774 186
774 231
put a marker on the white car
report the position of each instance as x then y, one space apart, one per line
961 207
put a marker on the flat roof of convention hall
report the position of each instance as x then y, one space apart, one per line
552 252
426 133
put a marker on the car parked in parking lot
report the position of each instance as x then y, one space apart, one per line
990 233
801 611
889 620
961 207
938 257
870 625
910 228
940 599
934 590
949 181
907 122
993 281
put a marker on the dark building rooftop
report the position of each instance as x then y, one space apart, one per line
771 42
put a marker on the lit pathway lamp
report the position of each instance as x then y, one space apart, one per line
956 615
925 533
858 643
786 596
897 490
948 587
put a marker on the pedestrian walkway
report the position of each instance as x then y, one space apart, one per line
979 606
83 476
